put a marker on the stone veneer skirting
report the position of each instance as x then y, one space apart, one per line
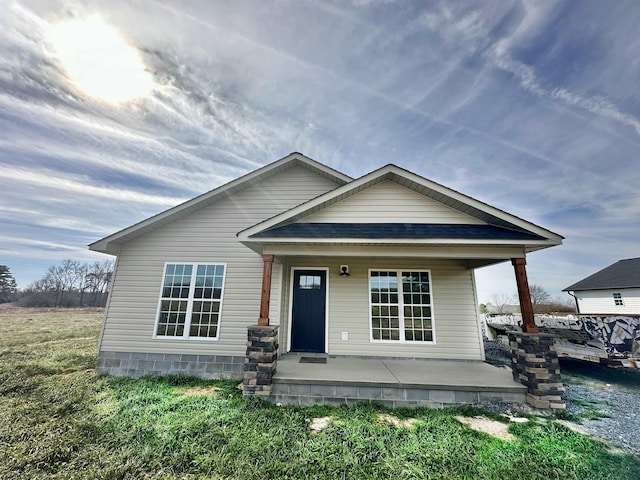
138 364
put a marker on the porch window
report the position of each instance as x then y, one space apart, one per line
401 308
190 301
310 282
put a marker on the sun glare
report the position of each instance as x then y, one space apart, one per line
99 61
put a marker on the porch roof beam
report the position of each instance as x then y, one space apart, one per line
524 294
469 253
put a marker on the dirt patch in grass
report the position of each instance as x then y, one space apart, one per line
386 418
201 391
319 424
486 425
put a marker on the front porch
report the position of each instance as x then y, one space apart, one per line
391 382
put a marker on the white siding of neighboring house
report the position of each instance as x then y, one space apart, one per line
388 202
208 235
601 301
454 308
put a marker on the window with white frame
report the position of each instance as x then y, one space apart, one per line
190 301
617 300
401 306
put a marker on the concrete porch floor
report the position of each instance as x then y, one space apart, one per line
404 382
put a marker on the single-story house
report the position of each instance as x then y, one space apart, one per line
378 267
614 290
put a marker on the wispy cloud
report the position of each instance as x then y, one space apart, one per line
75 185
598 105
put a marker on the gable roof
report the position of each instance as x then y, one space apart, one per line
622 274
542 237
111 243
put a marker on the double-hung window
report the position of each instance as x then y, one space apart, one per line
190 301
401 306
617 300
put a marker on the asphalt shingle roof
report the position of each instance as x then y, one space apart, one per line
622 274
395 230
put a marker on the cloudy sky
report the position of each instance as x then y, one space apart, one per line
111 111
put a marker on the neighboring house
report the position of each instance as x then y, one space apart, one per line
614 290
379 266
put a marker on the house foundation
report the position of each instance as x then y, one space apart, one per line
140 364
534 363
260 361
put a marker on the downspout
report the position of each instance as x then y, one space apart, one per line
576 300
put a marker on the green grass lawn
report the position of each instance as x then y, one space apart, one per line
58 420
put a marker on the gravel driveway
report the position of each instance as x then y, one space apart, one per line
610 395
622 428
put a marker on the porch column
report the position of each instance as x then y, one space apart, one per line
263 320
526 308
534 363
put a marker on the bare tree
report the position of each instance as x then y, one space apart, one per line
499 302
71 284
539 297
98 280
66 278
82 272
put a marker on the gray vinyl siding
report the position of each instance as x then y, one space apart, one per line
388 202
455 311
208 235
601 301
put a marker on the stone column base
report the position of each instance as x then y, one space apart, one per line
534 362
260 361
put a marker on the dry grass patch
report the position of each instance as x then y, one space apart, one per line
386 418
491 427
29 329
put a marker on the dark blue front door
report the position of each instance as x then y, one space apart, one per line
308 310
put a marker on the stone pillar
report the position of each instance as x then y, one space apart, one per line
534 362
261 359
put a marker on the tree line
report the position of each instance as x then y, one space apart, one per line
541 302
68 284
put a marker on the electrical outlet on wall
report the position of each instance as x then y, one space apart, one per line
345 335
